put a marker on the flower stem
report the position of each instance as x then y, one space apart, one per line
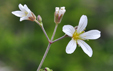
48 47
45 33
45 54
42 27
54 32
59 38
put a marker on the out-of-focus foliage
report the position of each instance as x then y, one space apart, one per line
22 44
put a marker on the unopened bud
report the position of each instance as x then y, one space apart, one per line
59 14
47 69
39 19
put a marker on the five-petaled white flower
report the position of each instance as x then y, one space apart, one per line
59 14
25 13
78 35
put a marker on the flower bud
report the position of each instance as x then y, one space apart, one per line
39 18
47 69
59 14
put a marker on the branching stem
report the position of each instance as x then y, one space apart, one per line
50 41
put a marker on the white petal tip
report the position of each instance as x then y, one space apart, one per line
20 5
63 8
99 32
90 55
83 16
12 12
21 19
69 52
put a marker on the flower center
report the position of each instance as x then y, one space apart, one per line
76 35
26 13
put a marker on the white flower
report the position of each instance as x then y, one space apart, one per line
25 13
78 35
59 14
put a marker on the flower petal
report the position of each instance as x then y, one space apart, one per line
92 34
21 7
23 18
18 13
70 48
85 47
26 8
62 11
82 23
57 9
68 29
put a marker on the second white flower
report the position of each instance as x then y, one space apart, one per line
78 35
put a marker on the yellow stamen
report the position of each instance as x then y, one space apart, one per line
26 13
76 35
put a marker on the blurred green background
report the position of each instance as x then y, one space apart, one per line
22 44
